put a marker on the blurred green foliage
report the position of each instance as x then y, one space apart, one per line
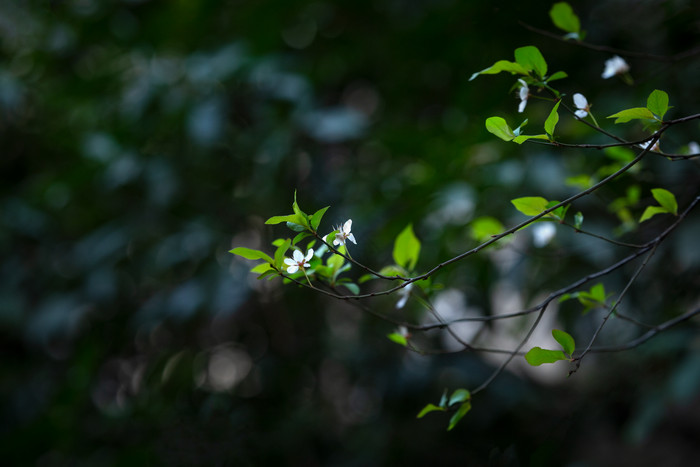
141 140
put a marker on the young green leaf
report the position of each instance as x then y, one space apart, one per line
406 248
536 356
461 412
483 228
522 138
499 127
316 218
303 218
260 268
531 59
635 113
352 287
296 227
279 219
564 18
530 205
578 220
401 340
666 199
249 253
280 252
651 211
551 122
657 102
557 75
429 408
565 340
499 66
459 395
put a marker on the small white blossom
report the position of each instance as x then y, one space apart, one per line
344 234
524 94
615 66
693 148
582 105
655 147
299 262
543 233
404 294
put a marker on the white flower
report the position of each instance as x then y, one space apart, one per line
693 148
582 105
543 233
655 147
299 261
344 234
524 94
615 66
404 294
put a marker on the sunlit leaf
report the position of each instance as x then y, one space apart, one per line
499 66
279 219
316 218
530 205
483 228
651 211
557 75
531 59
564 18
499 127
401 340
280 252
536 356
249 253
565 340
666 199
635 113
430 408
406 248
551 123
657 102
522 138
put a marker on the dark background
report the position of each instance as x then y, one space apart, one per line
141 140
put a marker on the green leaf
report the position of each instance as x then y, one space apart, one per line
635 113
598 292
249 253
483 228
580 181
443 399
353 288
295 227
557 75
461 412
619 153
401 340
564 18
536 356
430 408
303 218
393 270
279 219
280 252
406 248
522 138
499 127
316 218
531 59
459 395
657 102
260 268
578 220
651 211
551 122
666 199
299 237
565 340
499 66
530 205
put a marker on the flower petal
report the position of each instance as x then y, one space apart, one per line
580 101
289 261
298 256
348 226
309 255
293 268
581 113
522 105
351 237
